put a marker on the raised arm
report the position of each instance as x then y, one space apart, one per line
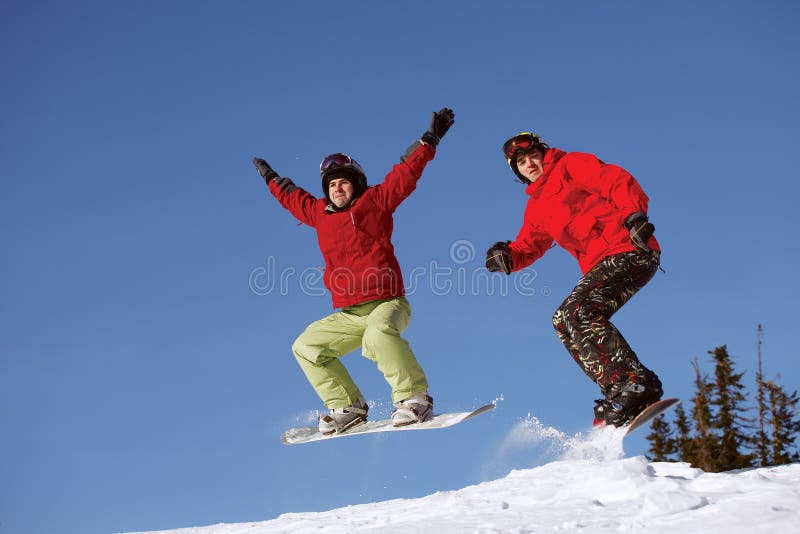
296 200
402 179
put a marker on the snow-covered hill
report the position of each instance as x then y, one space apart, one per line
590 489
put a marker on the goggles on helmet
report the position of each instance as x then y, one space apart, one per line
335 160
523 141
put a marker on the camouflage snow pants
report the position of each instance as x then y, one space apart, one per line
583 319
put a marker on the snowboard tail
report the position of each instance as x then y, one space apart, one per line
652 411
295 436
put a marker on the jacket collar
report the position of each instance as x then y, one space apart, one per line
331 207
551 157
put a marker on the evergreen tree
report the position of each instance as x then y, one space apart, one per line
728 398
684 443
776 410
717 434
662 445
762 441
785 427
705 446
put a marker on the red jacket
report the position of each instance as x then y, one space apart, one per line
356 243
580 203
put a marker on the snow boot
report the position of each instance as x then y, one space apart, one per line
624 402
415 409
341 419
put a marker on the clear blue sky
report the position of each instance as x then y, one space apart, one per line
145 365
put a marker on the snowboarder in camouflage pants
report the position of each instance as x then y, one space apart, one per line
598 213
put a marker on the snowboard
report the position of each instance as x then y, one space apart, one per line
654 410
295 436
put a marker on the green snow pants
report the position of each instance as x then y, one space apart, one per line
375 326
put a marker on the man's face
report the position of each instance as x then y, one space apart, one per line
529 164
340 191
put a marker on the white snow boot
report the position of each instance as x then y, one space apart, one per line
416 409
340 419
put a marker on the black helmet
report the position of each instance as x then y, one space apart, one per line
522 142
341 165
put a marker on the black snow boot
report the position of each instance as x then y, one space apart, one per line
623 402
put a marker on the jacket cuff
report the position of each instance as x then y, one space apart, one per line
418 150
283 184
633 217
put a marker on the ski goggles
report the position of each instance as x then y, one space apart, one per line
335 160
523 141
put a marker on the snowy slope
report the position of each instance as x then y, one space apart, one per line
590 489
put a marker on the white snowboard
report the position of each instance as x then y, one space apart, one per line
295 436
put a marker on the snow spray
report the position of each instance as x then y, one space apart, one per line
531 443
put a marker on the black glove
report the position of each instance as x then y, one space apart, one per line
264 169
441 121
498 257
641 230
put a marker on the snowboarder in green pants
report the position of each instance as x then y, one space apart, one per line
354 225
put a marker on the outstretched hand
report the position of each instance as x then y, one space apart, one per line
264 169
441 121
